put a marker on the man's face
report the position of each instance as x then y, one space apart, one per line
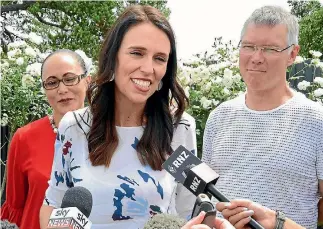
265 70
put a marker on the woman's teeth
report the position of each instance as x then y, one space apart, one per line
141 83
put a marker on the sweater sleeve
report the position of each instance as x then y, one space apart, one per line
185 135
17 183
60 178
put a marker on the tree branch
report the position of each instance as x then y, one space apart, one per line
8 34
16 7
4 46
40 19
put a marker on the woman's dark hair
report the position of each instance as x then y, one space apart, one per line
155 142
73 54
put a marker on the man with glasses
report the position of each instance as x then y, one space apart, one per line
267 145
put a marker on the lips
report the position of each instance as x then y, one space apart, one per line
255 70
141 84
65 100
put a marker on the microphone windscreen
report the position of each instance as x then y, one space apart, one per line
78 197
6 225
165 221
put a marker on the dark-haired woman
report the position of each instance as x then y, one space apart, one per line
31 151
115 148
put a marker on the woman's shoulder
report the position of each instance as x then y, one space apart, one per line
79 120
186 121
41 125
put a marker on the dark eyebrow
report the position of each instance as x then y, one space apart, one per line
144 49
64 75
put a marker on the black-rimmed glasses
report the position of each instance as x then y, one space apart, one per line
68 79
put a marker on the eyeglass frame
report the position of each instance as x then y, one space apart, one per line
79 77
263 48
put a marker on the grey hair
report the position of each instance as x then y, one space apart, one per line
272 16
73 54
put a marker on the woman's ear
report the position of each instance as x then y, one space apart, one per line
88 79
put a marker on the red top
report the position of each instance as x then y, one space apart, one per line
29 166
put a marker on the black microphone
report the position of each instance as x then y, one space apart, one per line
164 221
203 203
74 212
196 176
7 225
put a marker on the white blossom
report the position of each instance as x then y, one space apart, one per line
236 78
17 44
20 61
320 65
193 60
205 102
34 69
33 37
27 81
298 59
215 102
316 54
318 92
15 52
208 86
204 72
213 68
30 52
319 80
303 85
187 91
226 91
4 65
44 55
218 80
87 60
315 61
4 119
227 77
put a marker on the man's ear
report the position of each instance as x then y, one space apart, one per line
293 54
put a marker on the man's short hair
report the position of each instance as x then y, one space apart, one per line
272 16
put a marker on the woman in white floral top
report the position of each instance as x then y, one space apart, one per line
115 147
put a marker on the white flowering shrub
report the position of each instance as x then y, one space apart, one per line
214 77
22 97
210 79
313 89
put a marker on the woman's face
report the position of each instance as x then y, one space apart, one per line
141 63
64 98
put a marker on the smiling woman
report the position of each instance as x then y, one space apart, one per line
31 150
116 147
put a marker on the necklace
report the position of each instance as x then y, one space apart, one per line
52 123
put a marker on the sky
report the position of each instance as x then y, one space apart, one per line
197 22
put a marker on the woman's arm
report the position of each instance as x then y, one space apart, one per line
44 215
17 182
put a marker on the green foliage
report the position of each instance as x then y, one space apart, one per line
311 32
310 14
303 8
67 24
22 98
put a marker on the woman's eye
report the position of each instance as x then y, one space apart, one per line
136 53
51 83
161 59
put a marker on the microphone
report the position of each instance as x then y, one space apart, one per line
203 203
74 212
164 221
7 225
196 176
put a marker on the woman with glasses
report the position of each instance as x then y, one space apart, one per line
115 148
65 81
